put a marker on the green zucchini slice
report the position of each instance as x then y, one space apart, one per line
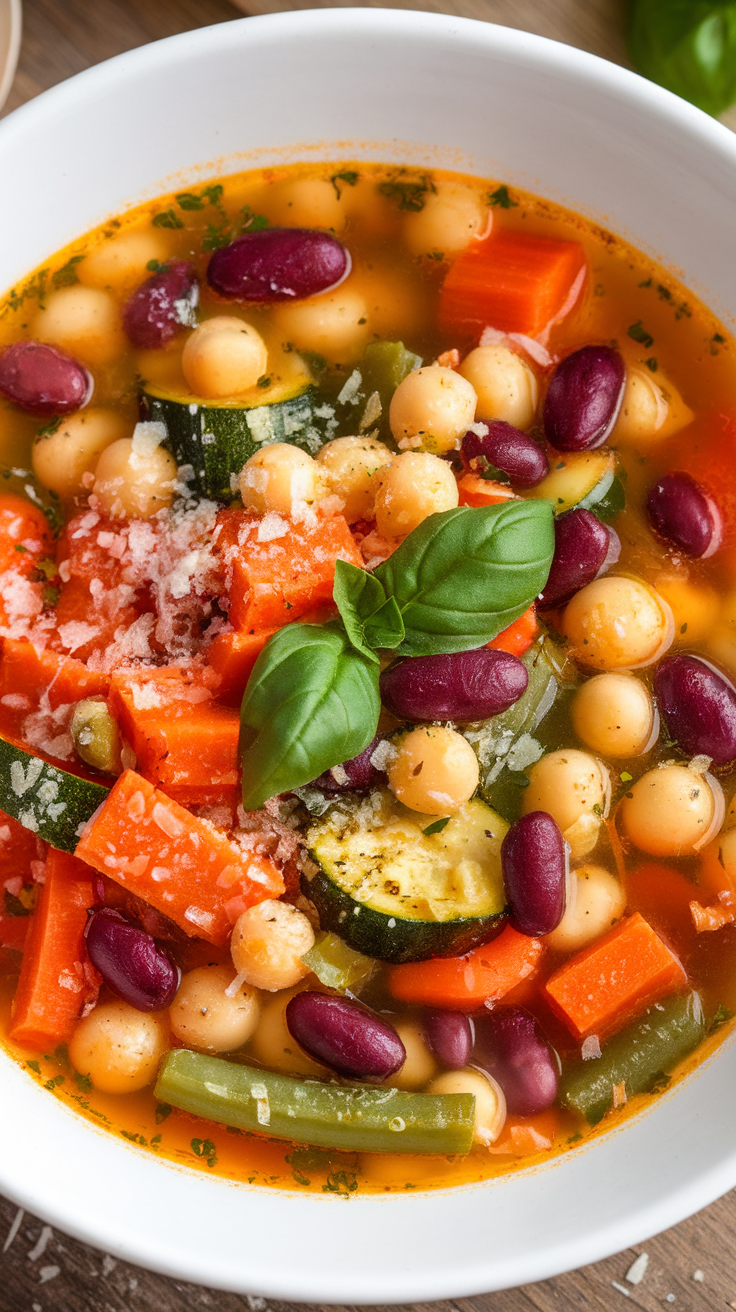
396 892
580 478
216 438
51 802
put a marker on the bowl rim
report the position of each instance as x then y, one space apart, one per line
87 1221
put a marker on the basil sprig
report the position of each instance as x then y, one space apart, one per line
688 46
312 700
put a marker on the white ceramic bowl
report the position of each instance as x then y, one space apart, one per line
383 85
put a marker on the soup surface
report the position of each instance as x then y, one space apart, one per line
368 619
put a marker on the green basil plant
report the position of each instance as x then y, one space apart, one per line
688 46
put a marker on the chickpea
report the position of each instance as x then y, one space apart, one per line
334 324
62 458
504 384
572 787
224 357
268 943
119 262
203 1015
414 486
618 623
279 477
435 770
650 410
614 715
596 901
118 1047
694 607
669 811
272 1044
83 321
490 1103
131 483
307 203
451 217
350 465
433 408
420 1065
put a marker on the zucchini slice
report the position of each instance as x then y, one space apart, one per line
580 478
51 802
216 438
396 892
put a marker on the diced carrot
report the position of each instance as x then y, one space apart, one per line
477 491
607 984
20 850
181 865
14 931
663 897
485 974
93 589
30 677
25 537
181 738
512 281
525 1136
279 579
55 979
519 636
232 656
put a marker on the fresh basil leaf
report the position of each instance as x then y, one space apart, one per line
311 702
688 46
466 574
357 595
386 627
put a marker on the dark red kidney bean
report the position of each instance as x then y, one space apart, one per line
583 398
534 859
463 686
510 1046
450 1036
682 512
505 448
162 306
698 706
584 548
278 264
130 961
43 379
344 1036
359 773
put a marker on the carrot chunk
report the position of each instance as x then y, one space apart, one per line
181 865
14 931
485 974
30 677
477 491
511 281
274 579
181 738
232 656
525 1136
519 636
25 537
602 988
55 979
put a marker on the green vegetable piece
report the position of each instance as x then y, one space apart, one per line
637 1057
336 965
311 702
354 1117
611 503
384 365
41 797
95 735
688 46
466 574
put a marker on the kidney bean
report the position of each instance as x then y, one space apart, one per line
359 773
466 685
584 548
344 1036
43 379
534 863
682 512
450 1036
510 1046
505 448
130 961
583 398
278 264
698 706
162 305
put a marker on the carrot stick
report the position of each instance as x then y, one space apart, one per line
474 490
603 987
55 979
511 281
179 864
483 975
519 636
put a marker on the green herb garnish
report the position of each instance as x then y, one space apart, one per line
409 193
66 276
167 219
501 198
638 333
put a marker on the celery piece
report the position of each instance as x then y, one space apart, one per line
636 1057
336 965
361 1118
383 366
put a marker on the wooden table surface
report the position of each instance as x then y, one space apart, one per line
692 1267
